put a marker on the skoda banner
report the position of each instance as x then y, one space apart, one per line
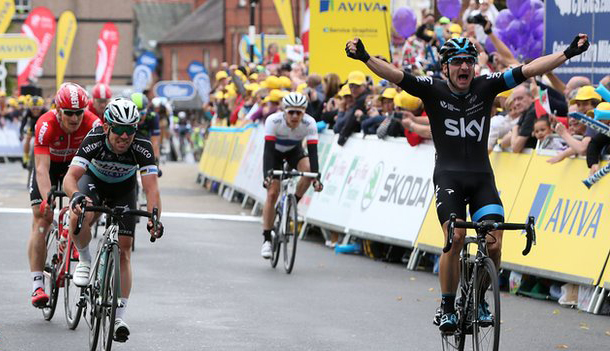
201 80
590 17
40 26
107 47
66 31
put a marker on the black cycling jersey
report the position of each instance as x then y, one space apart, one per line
28 123
118 170
149 125
460 123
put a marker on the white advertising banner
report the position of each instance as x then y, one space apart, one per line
249 178
375 188
397 190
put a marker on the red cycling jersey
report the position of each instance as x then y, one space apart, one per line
52 140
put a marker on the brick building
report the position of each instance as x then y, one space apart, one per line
211 34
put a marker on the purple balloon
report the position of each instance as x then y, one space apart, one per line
539 32
518 7
537 4
538 16
404 21
503 19
449 8
515 27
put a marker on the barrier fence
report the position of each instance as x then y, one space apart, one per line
382 190
10 145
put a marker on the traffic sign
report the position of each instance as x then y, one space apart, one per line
179 90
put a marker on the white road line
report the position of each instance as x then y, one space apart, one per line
209 216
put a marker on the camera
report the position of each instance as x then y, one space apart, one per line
477 19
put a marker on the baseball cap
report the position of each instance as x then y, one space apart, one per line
389 93
584 93
444 20
356 77
221 75
505 93
285 82
275 95
455 28
345 91
406 100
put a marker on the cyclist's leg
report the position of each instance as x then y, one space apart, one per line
298 159
273 191
88 186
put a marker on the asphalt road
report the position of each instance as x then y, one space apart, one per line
203 286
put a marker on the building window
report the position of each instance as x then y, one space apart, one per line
23 7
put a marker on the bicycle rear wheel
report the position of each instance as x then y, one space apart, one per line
51 269
289 241
486 333
275 238
72 293
110 297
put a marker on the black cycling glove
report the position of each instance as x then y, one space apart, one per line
574 49
76 199
360 53
150 226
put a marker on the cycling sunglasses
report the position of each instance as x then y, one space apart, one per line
120 129
459 60
71 113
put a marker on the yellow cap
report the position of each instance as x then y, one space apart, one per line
273 82
275 95
253 87
356 77
221 75
455 28
586 92
301 87
37 101
505 93
12 102
229 94
285 82
254 77
219 95
241 75
406 100
345 91
22 99
389 93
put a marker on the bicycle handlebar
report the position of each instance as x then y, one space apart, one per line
117 211
53 194
288 174
489 225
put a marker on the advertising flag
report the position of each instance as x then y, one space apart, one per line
143 72
305 31
107 47
40 26
7 10
66 30
201 79
333 23
284 11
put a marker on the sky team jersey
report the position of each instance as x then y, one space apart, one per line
460 123
51 140
96 157
286 138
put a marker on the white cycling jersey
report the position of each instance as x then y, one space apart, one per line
287 138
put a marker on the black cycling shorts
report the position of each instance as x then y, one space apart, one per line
57 171
292 156
102 193
455 189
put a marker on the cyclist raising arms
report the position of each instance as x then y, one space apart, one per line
58 134
458 109
284 133
104 171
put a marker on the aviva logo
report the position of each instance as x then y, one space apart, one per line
351 6
565 216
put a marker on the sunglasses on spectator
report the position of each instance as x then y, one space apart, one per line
120 129
71 113
458 61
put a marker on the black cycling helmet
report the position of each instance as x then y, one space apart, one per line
456 46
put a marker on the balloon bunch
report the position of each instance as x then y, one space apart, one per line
521 28
449 8
404 21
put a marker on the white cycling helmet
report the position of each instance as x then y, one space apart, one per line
122 111
294 101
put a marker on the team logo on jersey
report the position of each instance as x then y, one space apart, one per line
494 75
91 147
424 79
41 133
448 106
461 129
73 96
472 99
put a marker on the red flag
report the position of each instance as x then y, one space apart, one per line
305 31
107 47
39 25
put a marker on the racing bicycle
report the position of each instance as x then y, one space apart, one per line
100 297
479 286
284 236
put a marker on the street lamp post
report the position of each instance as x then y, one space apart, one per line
252 29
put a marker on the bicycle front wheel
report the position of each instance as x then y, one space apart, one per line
275 238
72 293
290 233
110 298
486 307
51 270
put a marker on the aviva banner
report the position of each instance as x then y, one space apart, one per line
66 31
334 22
572 222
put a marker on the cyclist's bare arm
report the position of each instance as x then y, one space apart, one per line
548 63
70 184
43 165
151 189
385 70
155 141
